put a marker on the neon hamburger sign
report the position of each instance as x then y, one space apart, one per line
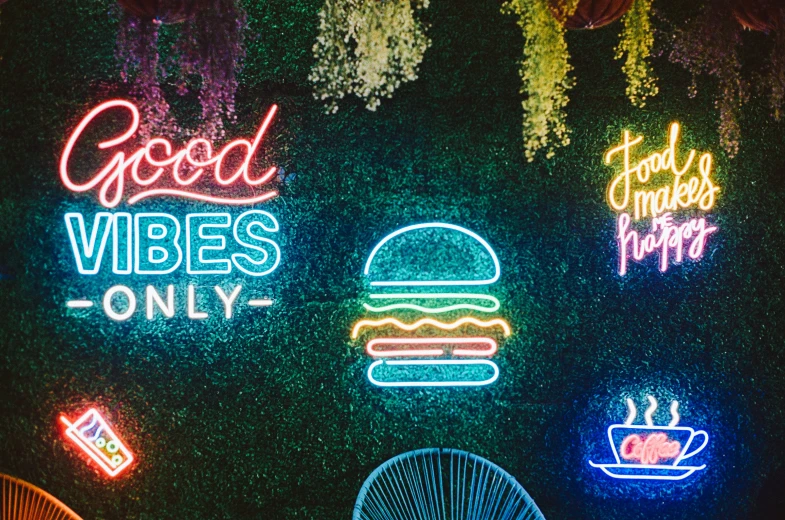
418 333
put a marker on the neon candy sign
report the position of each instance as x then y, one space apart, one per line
146 164
94 436
450 366
690 187
158 244
651 452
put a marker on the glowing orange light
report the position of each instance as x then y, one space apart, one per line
94 436
430 321
112 176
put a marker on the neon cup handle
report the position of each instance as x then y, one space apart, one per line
689 443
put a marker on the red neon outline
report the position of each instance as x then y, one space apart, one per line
493 346
112 175
89 448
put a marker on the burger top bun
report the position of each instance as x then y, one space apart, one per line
432 254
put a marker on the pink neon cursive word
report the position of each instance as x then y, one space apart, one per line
666 238
145 165
649 449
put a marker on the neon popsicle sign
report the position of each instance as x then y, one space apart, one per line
651 452
690 188
157 243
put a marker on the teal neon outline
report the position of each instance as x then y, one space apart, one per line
434 310
430 362
434 282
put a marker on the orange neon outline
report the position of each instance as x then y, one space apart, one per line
94 453
493 346
430 321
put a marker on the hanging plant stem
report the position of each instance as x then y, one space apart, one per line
635 46
367 48
544 71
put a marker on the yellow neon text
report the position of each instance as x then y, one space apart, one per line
682 192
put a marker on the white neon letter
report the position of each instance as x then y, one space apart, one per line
192 312
151 295
228 300
129 295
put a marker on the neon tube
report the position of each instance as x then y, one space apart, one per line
105 448
491 350
433 310
406 229
432 362
112 176
429 321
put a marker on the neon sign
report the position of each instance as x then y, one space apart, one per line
689 187
94 436
651 452
158 154
159 244
447 366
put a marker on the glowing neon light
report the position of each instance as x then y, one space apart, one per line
263 302
152 297
88 250
228 299
429 321
432 362
407 229
650 449
491 350
628 195
130 297
113 175
639 448
150 243
78 304
94 436
433 310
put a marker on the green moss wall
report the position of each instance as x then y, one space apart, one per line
270 415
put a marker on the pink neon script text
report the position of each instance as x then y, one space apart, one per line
157 155
649 449
671 240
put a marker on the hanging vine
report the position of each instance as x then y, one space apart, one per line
545 73
207 55
367 48
635 47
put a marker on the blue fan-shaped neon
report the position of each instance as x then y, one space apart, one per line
406 229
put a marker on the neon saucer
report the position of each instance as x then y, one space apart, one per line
653 471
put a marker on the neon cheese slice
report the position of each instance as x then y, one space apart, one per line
430 321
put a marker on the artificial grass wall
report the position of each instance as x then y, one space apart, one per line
270 415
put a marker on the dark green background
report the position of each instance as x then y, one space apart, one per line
270 415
